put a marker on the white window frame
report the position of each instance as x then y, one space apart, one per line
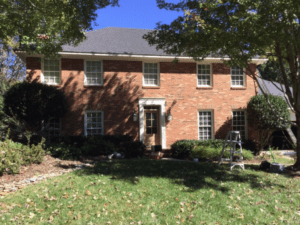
212 122
246 125
85 77
211 77
244 78
158 75
85 120
43 70
44 128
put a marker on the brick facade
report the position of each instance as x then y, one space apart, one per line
123 86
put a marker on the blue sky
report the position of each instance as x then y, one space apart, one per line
142 14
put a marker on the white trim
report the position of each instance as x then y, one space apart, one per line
42 72
246 124
158 75
212 121
43 126
211 75
158 102
85 120
244 79
97 60
145 56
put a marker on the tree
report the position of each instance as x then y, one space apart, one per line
33 103
44 26
239 30
271 71
12 70
261 116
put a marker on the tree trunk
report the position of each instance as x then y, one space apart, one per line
297 163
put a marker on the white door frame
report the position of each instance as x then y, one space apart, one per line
156 102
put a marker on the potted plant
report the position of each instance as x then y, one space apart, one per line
156 152
194 156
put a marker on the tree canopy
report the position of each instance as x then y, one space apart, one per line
261 116
240 30
43 26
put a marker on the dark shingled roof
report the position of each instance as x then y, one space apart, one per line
116 40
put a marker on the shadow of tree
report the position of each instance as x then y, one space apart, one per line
223 130
195 176
117 98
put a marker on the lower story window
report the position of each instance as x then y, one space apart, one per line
239 123
94 123
205 125
52 128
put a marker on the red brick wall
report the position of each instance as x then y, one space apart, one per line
123 87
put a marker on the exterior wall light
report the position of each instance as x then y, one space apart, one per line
134 116
169 116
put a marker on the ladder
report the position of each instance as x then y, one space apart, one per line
233 138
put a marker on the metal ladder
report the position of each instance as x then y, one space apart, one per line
233 138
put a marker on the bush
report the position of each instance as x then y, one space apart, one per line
33 103
183 148
209 153
66 147
13 155
132 149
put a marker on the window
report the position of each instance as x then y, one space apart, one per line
204 76
52 128
93 73
151 122
94 123
237 77
51 73
151 74
239 123
205 125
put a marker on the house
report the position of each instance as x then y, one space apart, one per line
117 84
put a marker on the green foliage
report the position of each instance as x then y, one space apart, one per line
262 116
272 155
66 147
271 71
13 155
210 152
182 148
202 149
44 26
34 103
132 149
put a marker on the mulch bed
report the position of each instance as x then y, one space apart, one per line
34 173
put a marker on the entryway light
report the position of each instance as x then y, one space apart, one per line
169 116
134 116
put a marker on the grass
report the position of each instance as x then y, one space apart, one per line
278 158
157 192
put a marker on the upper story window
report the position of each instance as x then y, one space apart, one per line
93 123
237 77
239 122
151 74
51 71
204 75
93 74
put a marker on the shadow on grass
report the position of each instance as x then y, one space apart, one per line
195 176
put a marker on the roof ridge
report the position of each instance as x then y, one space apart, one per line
120 28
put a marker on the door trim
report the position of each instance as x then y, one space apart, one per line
157 102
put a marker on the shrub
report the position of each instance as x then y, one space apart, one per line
32 103
209 153
182 148
133 149
66 147
13 155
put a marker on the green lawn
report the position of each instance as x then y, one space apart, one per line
157 192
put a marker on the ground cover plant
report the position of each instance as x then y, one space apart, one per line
157 192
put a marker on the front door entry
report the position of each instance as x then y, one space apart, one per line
152 126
